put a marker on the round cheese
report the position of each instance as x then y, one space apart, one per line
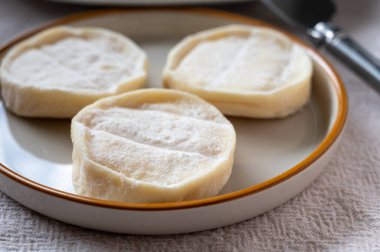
243 70
151 145
60 70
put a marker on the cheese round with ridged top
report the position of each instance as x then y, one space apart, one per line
151 145
57 72
242 70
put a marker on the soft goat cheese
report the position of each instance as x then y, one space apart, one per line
242 70
82 64
151 145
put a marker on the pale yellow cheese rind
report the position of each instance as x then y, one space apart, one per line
242 70
151 145
57 72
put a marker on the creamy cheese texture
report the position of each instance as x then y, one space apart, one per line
251 62
88 63
151 145
74 63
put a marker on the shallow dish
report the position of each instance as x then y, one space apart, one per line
275 159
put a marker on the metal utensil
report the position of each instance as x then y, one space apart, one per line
313 17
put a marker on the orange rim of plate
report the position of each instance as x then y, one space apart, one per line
328 141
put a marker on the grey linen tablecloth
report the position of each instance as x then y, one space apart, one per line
340 211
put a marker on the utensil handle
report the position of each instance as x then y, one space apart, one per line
348 51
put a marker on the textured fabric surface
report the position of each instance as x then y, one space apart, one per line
340 211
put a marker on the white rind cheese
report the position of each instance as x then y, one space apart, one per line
151 145
242 70
60 70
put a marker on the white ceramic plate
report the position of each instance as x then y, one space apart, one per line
275 159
